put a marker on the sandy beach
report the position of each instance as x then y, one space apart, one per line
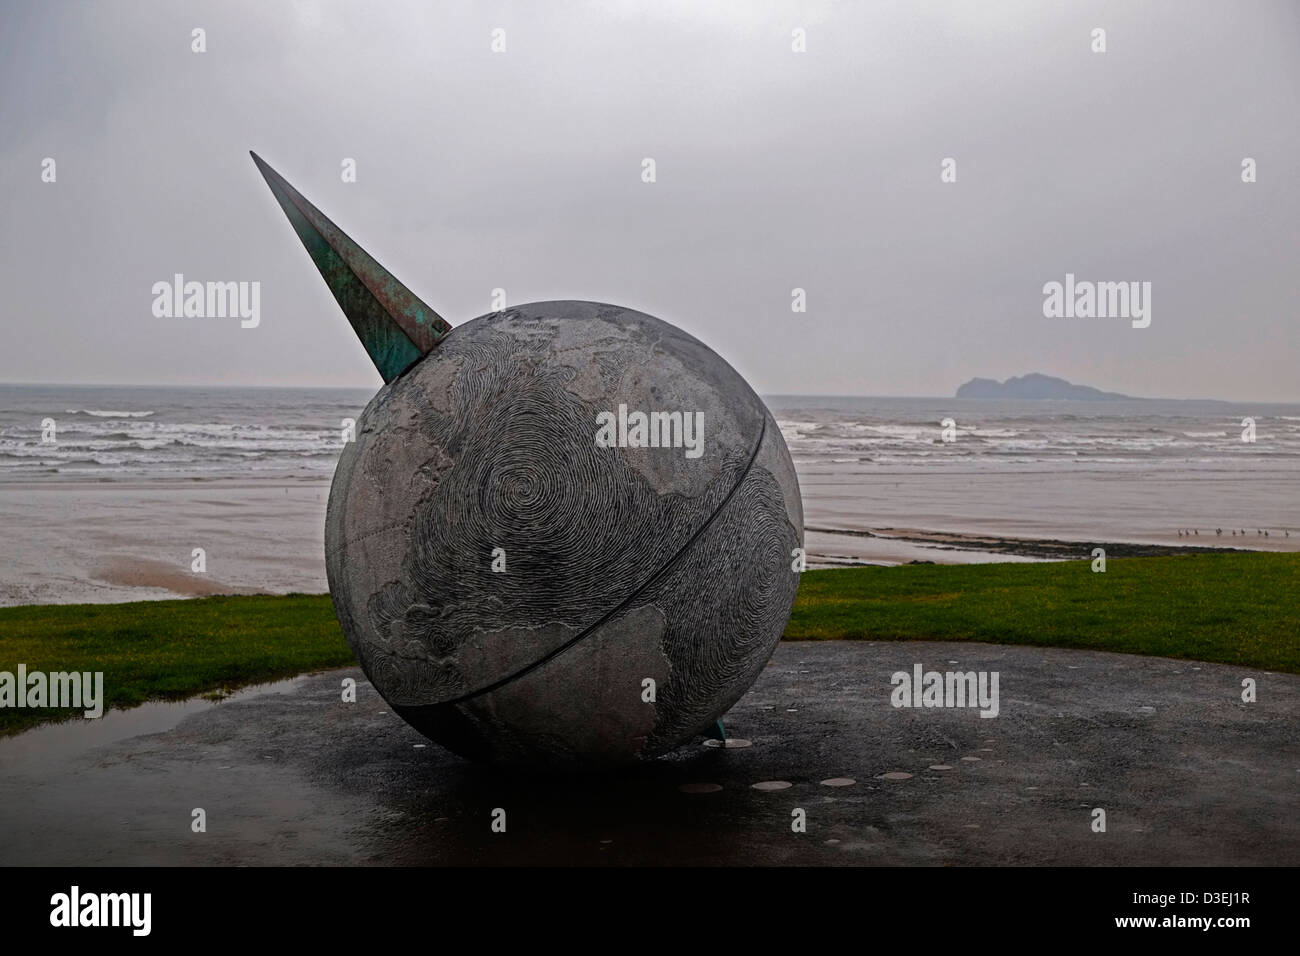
92 542
953 518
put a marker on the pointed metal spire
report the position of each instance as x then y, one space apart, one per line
395 327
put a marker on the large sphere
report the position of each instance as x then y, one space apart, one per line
622 565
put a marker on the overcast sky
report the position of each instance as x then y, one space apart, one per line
775 170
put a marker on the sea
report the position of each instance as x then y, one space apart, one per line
117 432
880 478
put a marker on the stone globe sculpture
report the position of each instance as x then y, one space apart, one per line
566 532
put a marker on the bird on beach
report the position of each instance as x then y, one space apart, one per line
1218 531
1197 531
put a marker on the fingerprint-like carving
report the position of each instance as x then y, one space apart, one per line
726 604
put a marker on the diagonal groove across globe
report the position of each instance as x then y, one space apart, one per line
565 532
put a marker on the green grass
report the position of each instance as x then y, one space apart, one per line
1227 608
1241 609
170 650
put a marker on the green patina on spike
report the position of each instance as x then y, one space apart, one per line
395 326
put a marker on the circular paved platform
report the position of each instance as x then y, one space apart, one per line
1186 772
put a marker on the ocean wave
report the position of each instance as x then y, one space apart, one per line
101 413
230 434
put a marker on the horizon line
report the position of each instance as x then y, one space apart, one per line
1129 398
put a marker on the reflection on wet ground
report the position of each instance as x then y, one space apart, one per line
290 774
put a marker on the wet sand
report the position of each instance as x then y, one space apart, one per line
97 542
835 547
1084 507
85 541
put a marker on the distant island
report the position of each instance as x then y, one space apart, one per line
1035 385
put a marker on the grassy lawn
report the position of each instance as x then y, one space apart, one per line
1239 609
170 650
1228 608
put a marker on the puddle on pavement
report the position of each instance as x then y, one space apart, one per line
75 737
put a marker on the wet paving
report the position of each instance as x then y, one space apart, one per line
290 774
